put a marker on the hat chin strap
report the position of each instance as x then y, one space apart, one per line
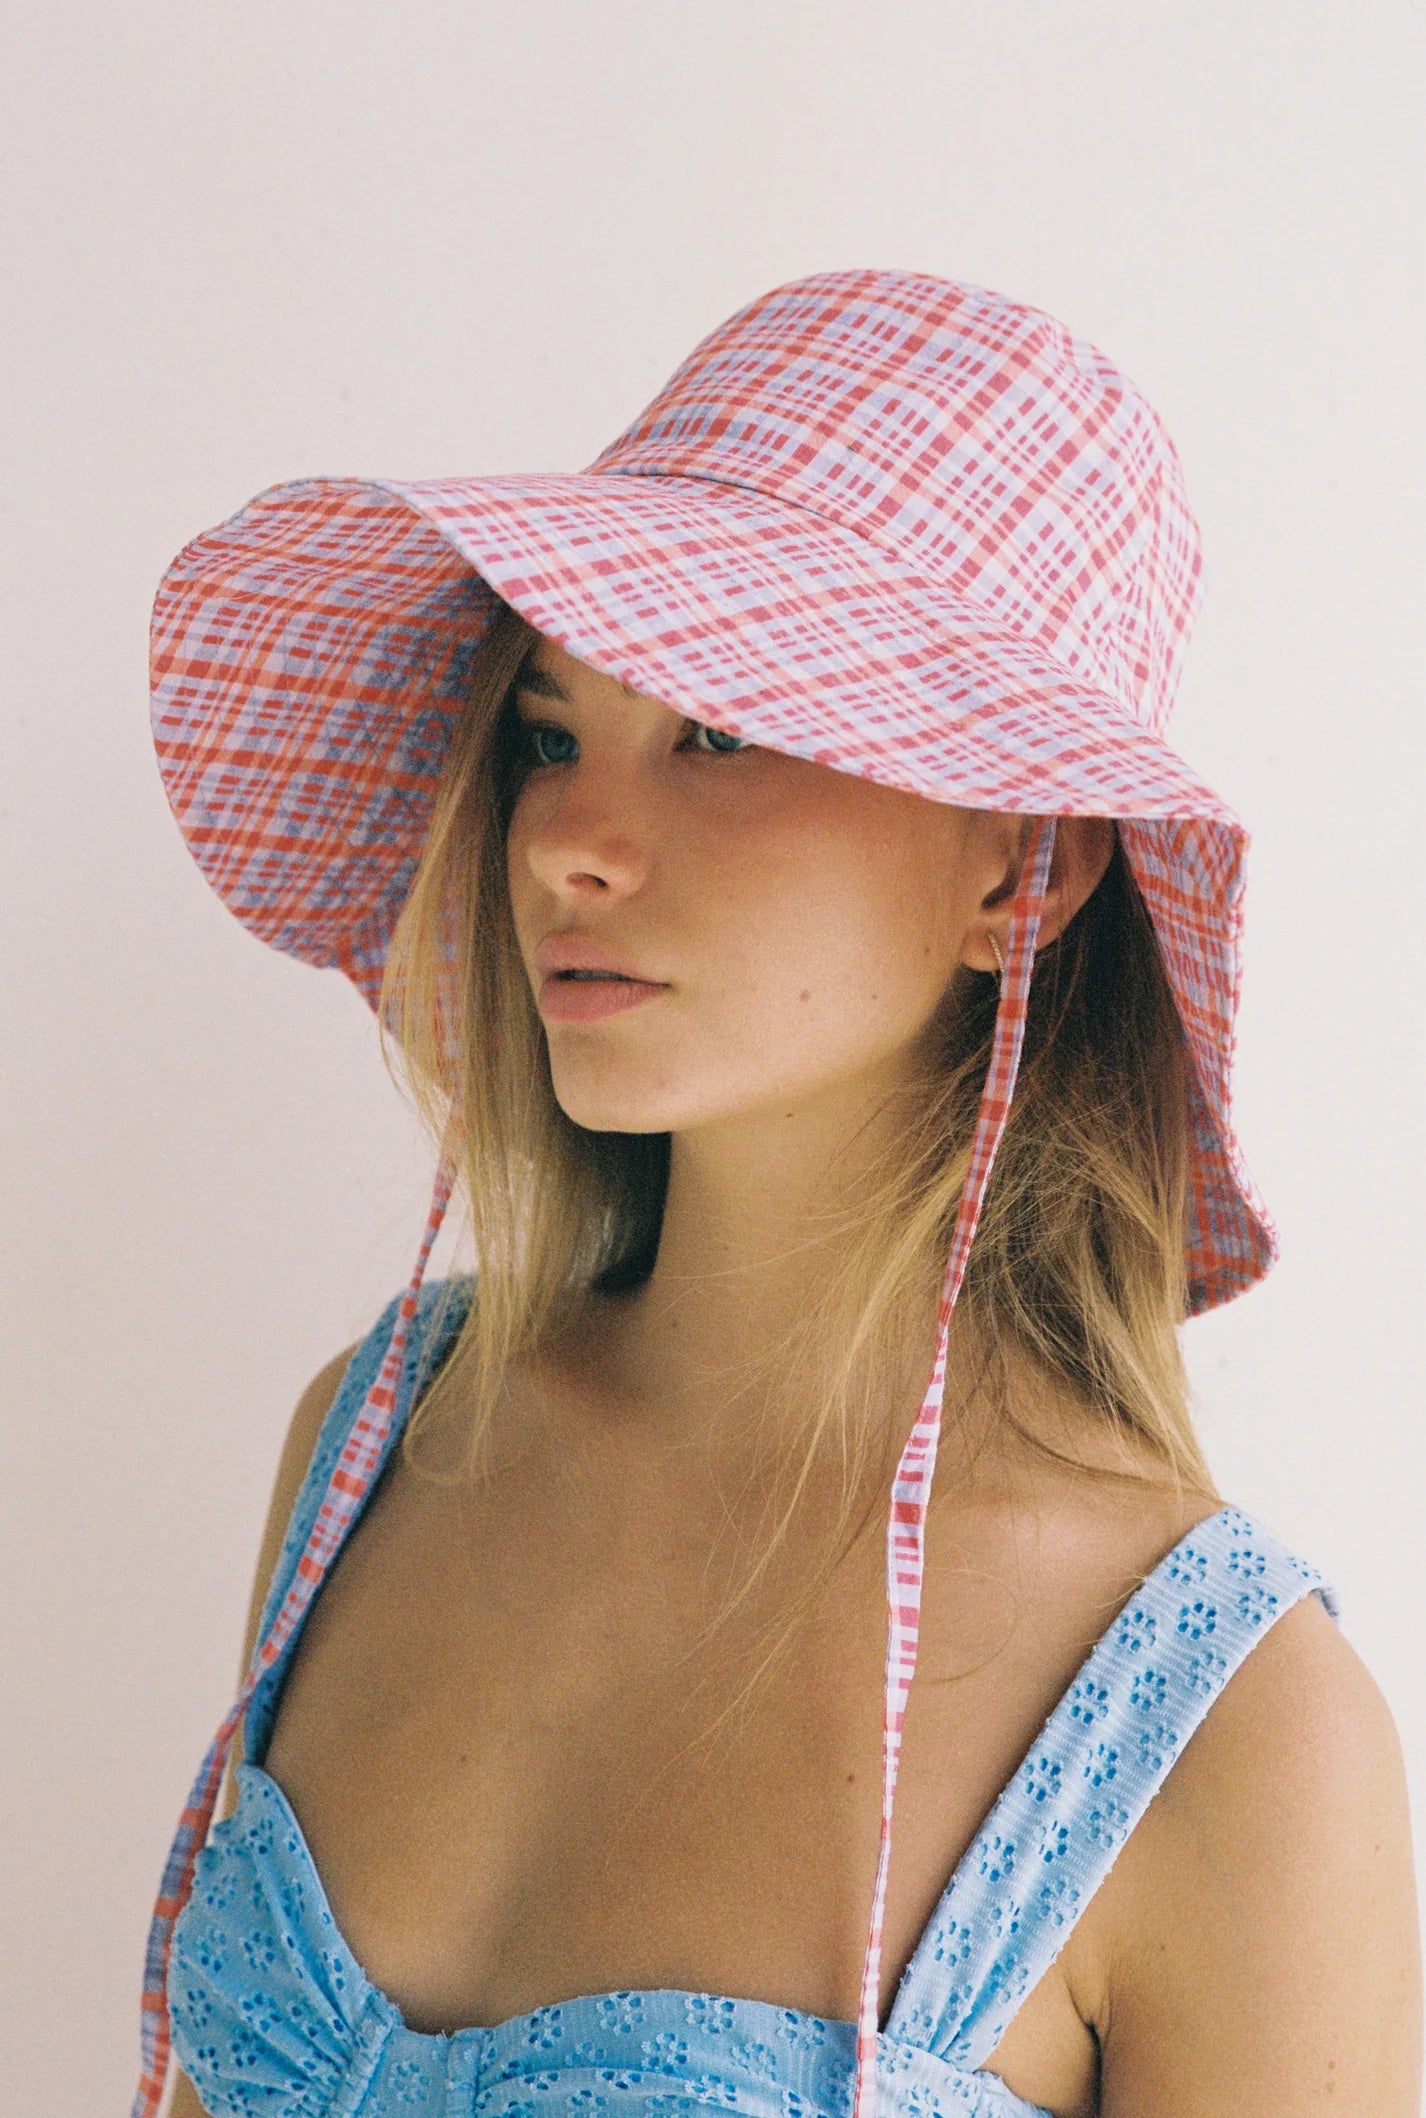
905 1542
911 1487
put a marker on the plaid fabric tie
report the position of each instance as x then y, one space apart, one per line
911 1488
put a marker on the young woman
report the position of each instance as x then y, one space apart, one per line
819 974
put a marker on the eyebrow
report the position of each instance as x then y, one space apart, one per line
547 687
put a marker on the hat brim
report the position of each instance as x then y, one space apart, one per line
309 657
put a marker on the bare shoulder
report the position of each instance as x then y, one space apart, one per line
1263 1953
1298 1761
300 1441
1304 1696
303 1429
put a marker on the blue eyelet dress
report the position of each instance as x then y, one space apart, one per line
274 2018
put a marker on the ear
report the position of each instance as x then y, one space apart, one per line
1083 847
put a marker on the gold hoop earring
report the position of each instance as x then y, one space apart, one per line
999 959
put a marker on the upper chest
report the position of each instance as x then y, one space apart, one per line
529 1763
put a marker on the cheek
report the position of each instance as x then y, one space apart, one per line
842 942
520 883
813 930
515 871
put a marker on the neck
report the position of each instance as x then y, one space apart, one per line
761 1214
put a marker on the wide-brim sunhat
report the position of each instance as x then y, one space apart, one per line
897 525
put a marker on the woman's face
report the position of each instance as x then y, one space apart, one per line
794 927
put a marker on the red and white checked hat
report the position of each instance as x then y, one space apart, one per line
898 525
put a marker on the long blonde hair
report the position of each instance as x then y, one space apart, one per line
1078 1263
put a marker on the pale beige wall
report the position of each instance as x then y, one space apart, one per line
248 242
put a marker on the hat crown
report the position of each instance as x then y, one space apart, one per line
975 438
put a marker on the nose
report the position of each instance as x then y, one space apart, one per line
589 844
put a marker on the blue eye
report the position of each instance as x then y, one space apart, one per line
543 736
720 739
537 731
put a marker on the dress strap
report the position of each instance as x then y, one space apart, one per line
441 1309
1100 1758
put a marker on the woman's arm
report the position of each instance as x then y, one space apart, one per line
306 1424
1269 1959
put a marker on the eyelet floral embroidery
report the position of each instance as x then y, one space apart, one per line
710 2089
1243 1559
1207 1672
708 2013
261 2012
667 2051
1136 1629
803 2032
198 2007
952 1943
407 2084
757 2059
1102 1764
1054 1842
209 1952
1088 1701
259 1836
1257 1604
916 2029
260 1950
997 1859
621 2011
1150 1686
1057 1900
1108 1824
1042 1779
1197 1618
219 1885
1157 1745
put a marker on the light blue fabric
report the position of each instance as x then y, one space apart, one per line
272 2014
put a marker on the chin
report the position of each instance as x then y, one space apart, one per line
639 1100
603 1109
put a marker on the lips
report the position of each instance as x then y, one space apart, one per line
566 997
581 977
561 953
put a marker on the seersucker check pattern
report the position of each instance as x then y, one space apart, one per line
899 525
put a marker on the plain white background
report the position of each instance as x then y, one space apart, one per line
248 243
